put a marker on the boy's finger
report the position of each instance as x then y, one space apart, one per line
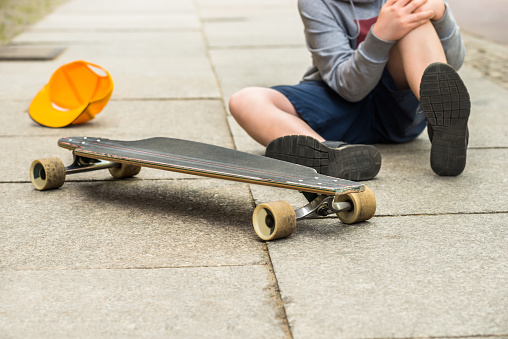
415 4
390 2
402 3
422 16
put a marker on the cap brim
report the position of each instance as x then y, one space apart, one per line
43 112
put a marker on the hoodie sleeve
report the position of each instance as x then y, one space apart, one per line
449 33
352 73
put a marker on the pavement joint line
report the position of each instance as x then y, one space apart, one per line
170 99
246 47
402 151
466 336
113 30
127 12
487 147
226 19
135 99
133 268
280 307
439 214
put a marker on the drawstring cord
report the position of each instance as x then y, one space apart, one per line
357 22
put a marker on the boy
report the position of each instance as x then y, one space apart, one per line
381 70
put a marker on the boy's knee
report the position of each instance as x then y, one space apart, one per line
235 102
240 100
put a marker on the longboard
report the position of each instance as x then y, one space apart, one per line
353 202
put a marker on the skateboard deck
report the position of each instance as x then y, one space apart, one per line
125 158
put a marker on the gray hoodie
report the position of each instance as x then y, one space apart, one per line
347 55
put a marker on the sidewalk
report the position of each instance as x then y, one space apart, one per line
171 255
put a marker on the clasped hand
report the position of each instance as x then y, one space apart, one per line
399 17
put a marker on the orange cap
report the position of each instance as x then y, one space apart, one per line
75 93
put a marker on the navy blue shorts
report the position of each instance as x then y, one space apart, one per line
385 115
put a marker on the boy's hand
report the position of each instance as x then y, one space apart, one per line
399 17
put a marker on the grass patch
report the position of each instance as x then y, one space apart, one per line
17 15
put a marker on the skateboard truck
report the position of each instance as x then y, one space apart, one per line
82 164
321 206
50 173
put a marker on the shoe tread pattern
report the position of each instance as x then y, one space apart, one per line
446 104
351 162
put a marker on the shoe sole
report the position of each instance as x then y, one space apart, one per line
446 104
351 162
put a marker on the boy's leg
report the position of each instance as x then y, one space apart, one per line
412 54
418 62
266 114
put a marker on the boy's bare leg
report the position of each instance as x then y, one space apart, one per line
266 114
412 54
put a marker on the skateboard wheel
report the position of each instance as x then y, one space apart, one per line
274 220
124 171
47 174
363 206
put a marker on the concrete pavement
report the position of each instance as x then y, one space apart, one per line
171 255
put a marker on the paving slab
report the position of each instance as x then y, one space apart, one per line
404 277
154 77
126 6
114 20
488 58
169 303
407 185
139 70
134 119
22 80
29 53
123 120
185 40
128 224
252 4
137 47
253 27
488 121
259 67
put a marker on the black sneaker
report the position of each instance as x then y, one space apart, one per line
332 158
445 102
